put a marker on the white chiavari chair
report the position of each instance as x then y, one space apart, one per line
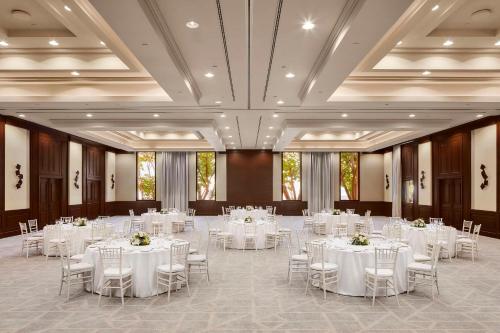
136 222
319 227
320 271
174 273
340 230
442 236
250 236
55 236
28 241
420 273
212 232
178 226
435 220
114 270
74 273
273 237
469 245
308 219
466 229
189 220
297 260
302 238
33 228
427 256
224 238
382 275
159 228
368 213
97 233
198 261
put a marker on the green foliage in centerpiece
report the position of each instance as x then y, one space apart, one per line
80 222
140 238
248 219
360 239
419 223
336 212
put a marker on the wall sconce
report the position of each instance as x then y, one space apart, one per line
19 176
422 177
75 180
112 181
485 177
386 181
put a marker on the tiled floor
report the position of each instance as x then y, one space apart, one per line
249 292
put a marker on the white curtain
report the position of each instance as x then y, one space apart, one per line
173 180
319 181
396 181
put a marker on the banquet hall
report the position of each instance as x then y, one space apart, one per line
249 166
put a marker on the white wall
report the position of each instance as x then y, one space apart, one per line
277 193
425 164
484 151
336 176
192 177
74 165
17 151
371 177
110 170
388 172
125 177
220 177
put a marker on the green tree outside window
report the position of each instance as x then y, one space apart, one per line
146 176
205 176
291 176
349 176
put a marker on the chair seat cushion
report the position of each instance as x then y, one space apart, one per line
224 234
192 250
115 272
285 230
196 258
383 272
419 266
57 240
462 236
34 239
166 268
77 257
80 267
421 257
299 257
327 266
443 243
465 240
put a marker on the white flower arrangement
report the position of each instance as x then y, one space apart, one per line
140 238
419 223
248 219
360 239
80 222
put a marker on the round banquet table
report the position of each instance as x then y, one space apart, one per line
76 236
417 237
167 219
332 220
353 259
237 229
142 259
241 214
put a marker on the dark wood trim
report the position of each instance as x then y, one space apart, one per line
213 208
377 208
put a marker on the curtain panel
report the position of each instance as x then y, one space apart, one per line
173 180
396 181
319 180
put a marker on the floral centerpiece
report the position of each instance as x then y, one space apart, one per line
419 223
360 239
336 212
140 238
80 222
248 219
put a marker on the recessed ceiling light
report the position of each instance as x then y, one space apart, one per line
156 115
280 102
411 115
102 43
436 7
218 102
75 73
223 115
275 115
192 25
308 25
426 73
89 115
232 143
53 42
270 127
230 136
448 42
290 75
22 115
479 115
4 43
399 43
209 75
265 142
227 127
496 44
66 8
268 136
345 115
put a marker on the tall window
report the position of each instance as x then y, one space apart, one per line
205 176
146 176
291 172
349 176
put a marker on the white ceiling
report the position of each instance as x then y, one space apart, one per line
145 85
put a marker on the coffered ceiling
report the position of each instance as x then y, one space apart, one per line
316 75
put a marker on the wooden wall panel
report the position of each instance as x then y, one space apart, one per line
489 221
409 172
378 208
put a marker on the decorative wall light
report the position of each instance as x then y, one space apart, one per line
422 177
386 181
19 176
485 177
75 180
112 181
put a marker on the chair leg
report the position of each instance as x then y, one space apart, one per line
187 283
169 286
375 284
61 285
308 279
395 288
69 286
122 291
324 285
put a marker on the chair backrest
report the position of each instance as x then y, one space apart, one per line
340 230
231 208
302 238
66 219
385 258
33 225
178 253
395 231
98 230
475 233
131 212
394 220
467 227
435 220
111 257
434 254
24 229
64 255
368 213
223 211
350 211
250 228
316 252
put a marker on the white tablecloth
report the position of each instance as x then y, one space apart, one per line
256 214
417 237
237 229
333 220
352 261
143 259
168 218
75 236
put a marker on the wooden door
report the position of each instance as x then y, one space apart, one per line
450 201
50 203
93 201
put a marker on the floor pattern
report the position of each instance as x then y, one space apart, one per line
249 292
